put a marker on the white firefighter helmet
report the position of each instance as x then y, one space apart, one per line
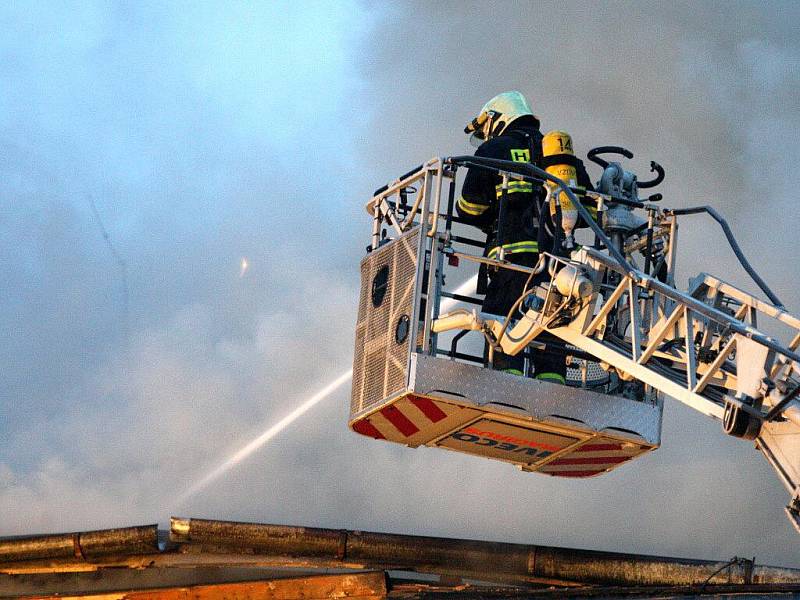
496 115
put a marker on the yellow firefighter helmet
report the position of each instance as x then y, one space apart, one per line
496 115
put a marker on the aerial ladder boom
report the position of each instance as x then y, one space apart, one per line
714 347
702 347
750 365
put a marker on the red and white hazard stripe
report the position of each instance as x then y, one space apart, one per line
403 418
593 458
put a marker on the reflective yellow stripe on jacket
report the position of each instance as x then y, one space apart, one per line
514 187
471 208
515 248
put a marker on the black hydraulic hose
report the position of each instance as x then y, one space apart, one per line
658 170
734 246
454 343
451 196
578 190
532 171
592 155
648 257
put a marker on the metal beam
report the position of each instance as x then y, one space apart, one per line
81 545
474 558
657 336
640 372
608 305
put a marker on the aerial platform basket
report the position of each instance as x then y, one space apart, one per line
405 390
628 335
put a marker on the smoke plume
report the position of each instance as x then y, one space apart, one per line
206 135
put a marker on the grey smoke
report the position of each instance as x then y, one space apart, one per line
185 130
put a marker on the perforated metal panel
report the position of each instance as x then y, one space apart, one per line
380 363
595 375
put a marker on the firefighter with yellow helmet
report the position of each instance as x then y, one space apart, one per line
507 129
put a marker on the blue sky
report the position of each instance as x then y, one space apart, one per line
208 132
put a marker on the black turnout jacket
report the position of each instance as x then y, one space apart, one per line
523 230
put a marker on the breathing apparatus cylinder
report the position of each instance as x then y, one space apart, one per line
558 158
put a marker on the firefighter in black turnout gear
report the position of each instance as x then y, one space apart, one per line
508 130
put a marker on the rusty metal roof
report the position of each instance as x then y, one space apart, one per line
208 559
